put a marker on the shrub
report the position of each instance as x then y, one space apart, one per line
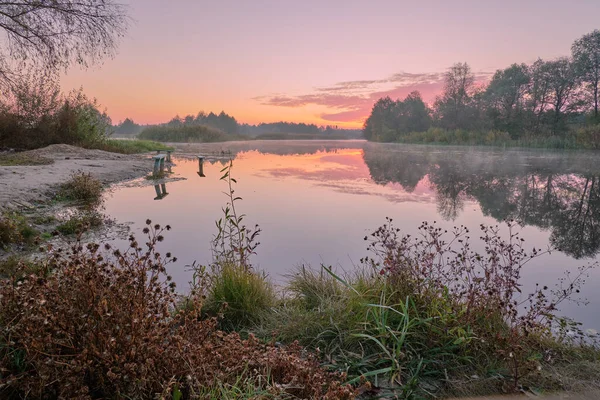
588 137
104 325
82 188
34 114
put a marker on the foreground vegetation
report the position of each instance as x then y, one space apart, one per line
129 340
426 316
546 104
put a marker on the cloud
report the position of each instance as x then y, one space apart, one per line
351 101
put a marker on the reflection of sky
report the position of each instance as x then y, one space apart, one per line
312 209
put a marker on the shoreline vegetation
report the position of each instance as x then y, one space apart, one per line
422 317
549 103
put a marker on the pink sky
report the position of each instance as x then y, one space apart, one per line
316 61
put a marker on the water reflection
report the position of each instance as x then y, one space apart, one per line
553 193
161 191
316 202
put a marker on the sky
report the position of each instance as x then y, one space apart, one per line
315 61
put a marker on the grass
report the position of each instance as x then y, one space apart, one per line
18 159
196 133
411 346
130 146
239 295
81 188
80 222
15 229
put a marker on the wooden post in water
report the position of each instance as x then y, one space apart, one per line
201 166
159 165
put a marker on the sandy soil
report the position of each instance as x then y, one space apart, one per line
22 185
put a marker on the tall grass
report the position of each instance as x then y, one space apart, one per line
129 146
579 138
240 296
186 133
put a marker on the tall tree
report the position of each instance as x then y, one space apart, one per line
505 94
451 107
52 35
538 92
563 84
412 114
586 55
378 126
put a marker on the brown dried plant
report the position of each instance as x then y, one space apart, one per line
96 322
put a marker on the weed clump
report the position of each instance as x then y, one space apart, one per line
82 188
104 325
15 229
81 221
240 296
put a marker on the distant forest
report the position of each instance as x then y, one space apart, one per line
229 125
548 103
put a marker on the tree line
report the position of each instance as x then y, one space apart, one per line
228 124
546 98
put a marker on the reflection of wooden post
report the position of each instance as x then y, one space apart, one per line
161 191
201 166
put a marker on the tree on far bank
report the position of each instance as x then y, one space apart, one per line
451 106
563 84
505 94
586 56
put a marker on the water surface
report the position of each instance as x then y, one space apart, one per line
316 201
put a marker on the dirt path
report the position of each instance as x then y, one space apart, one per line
22 185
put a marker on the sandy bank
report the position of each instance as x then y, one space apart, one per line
20 185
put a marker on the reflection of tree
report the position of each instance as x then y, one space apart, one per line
406 168
577 231
558 192
450 186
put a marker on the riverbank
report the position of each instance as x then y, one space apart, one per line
21 185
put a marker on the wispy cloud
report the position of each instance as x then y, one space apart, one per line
351 101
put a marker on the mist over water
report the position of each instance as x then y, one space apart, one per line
316 201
